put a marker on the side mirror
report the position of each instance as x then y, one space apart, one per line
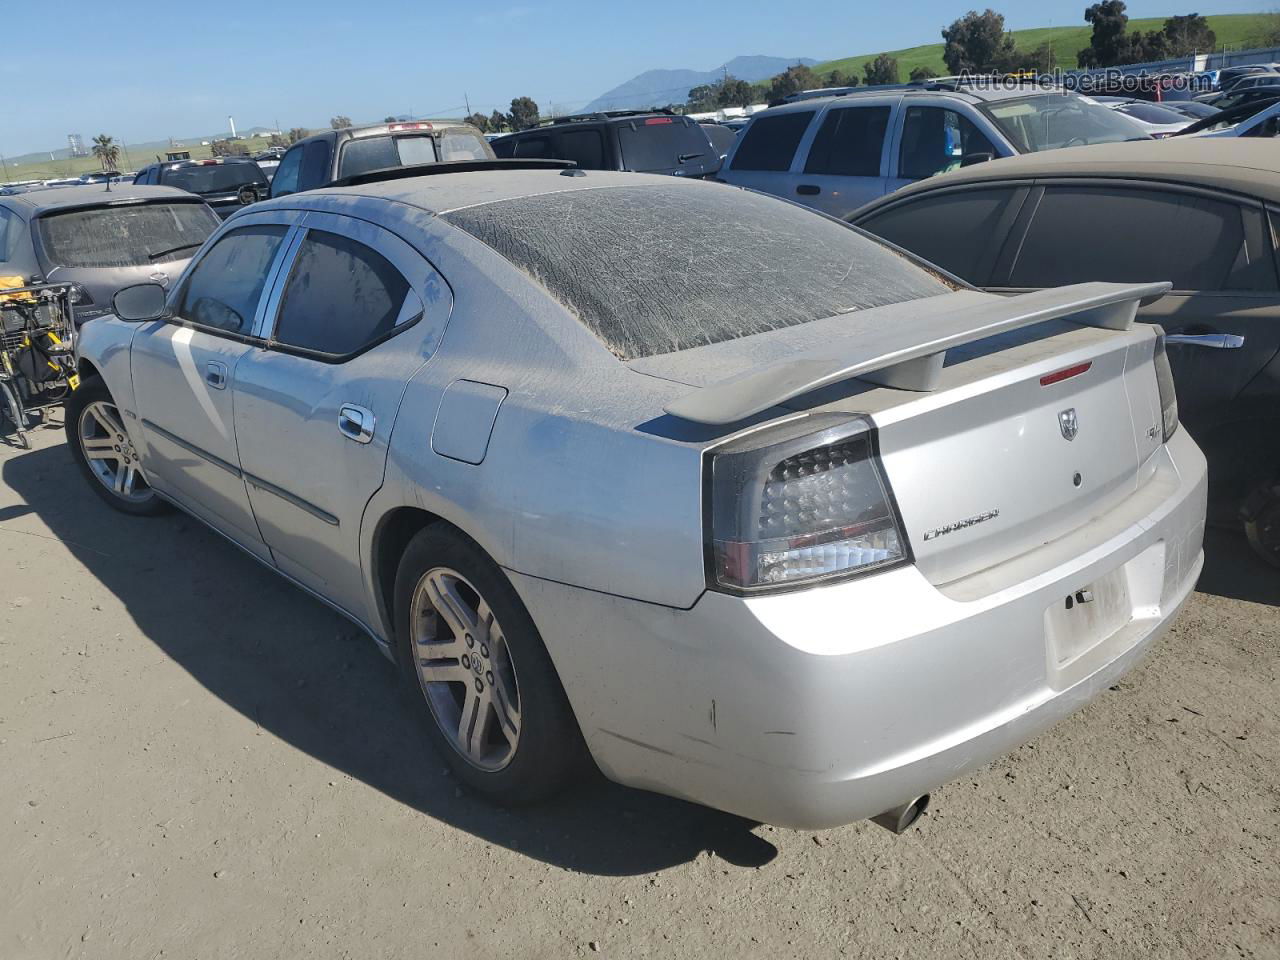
141 302
970 159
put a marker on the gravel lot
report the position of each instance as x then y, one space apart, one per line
197 760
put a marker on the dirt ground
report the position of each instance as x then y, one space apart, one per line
197 761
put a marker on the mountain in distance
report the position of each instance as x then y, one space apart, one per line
656 88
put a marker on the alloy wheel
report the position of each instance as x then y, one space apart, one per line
464 668
110 454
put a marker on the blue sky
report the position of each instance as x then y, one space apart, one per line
145 72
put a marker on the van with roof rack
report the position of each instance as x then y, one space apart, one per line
317 160
836 153
641 141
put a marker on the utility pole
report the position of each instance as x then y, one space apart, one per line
4 166
467 101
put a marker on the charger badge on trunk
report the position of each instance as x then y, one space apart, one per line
1068 423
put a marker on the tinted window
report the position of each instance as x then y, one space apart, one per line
584 146
9 226
653 269
125 236
954 230
769 142
315 165
340 297
214 178
225 286
660 144
1151 113
461 145
379 153
286 178
849 142
935 140
531 147
1095 233
503 147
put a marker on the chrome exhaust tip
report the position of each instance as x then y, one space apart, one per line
900 818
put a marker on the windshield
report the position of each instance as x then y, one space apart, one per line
380 153
655 269
125 236
1051 120
665 144
212 178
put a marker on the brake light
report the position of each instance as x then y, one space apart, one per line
802 504
654 121
1168 396
1059 375
409 126
208 163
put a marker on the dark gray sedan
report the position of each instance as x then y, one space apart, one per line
1203 213
100 240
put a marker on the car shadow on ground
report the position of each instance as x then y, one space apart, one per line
1234 571
312 679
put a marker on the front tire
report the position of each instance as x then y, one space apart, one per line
101 447
494 705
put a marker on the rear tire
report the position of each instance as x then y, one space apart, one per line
102 449
1261 516
470 652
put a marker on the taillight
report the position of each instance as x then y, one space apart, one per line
1168 396
657 121
798 505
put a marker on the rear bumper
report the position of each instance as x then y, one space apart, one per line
817 708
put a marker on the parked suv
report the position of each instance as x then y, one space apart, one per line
1201 213
319 159
100 241
225 183
837 153
640 141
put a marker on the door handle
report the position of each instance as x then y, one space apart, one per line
1218 341
356 423
215 374
808 190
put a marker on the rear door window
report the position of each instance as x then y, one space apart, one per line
1129 235
849 143
956 229
125 236
769 143
9 226
223 290
586 147
936 140
341 297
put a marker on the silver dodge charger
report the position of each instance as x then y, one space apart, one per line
726 496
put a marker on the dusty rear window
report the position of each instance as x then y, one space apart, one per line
657 269
126 235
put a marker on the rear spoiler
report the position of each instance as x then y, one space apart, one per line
910 356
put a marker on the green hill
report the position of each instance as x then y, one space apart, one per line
1239 30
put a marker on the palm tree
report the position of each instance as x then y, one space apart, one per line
105 149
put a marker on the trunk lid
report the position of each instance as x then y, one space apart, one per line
1003 423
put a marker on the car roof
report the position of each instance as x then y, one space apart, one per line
36 202
965 94
1244 165
443 192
